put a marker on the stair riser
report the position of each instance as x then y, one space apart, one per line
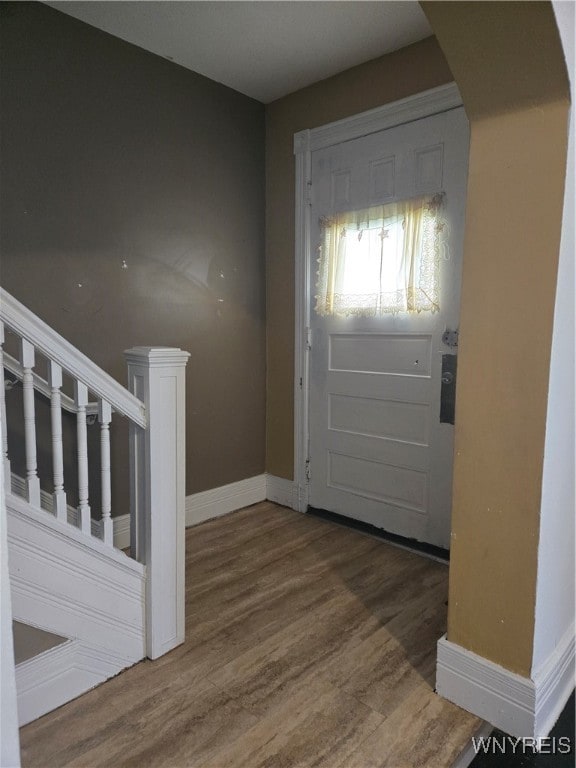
74 586
69 589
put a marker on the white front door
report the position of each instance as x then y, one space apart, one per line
379 451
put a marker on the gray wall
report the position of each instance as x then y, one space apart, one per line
110 153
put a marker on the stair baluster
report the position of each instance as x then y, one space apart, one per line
32 480
81 400
104 417
5 459
59 495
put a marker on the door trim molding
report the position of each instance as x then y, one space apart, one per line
425 104
420 105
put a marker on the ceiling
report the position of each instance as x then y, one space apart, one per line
262 49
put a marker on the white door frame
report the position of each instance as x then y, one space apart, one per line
415 107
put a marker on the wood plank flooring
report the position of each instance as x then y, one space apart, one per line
307 644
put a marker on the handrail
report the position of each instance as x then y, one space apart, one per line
42 386
29 326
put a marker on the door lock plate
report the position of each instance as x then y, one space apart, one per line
450 338
448 390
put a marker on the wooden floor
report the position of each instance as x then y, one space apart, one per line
307 644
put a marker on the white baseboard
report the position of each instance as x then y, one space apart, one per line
227 498
199 506
280 490
59 675
554 682
495 694
515 704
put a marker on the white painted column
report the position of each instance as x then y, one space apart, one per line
59 495
156 375
5 458
32 479
9 738
555 610
105 417
81 401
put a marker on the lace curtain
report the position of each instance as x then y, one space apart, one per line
383 259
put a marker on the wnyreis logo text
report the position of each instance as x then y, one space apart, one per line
502 745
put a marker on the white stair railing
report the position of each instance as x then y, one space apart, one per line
32 480
105 417
5 459
59 495
155 410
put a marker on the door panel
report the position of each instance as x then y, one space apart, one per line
375 417
378 480
378 451
380 353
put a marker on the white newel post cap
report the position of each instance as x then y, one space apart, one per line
156 357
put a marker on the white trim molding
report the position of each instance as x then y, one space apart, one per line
517 705
302 315
431 102
227 498
199 506
60 674
9 738
554 682
281 491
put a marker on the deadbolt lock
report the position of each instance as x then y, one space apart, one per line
450 338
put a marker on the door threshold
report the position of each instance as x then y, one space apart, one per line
412 545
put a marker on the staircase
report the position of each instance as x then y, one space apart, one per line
103 610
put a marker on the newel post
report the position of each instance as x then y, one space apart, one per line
156 375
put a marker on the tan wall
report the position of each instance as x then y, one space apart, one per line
511 250
395 76
507 60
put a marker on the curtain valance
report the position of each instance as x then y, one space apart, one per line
383 259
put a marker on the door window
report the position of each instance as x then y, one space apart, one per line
383 259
